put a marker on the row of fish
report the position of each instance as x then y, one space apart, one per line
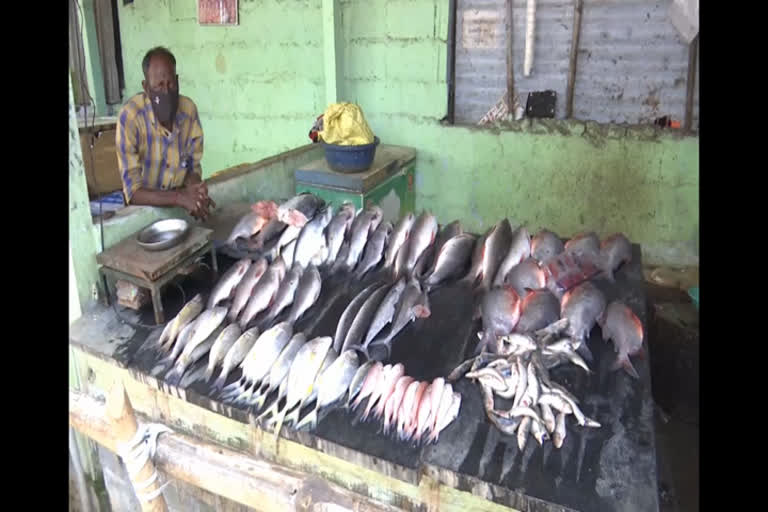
411 409
519 371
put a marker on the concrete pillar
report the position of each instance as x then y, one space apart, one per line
82 238
332 51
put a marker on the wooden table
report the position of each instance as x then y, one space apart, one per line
128 261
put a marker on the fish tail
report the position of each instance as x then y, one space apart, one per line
368 408
259 403
584 352
174 376
622 361
271 410
219 382
310 419
279 426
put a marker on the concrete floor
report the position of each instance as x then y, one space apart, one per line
674 347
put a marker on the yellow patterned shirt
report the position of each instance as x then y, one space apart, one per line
151 157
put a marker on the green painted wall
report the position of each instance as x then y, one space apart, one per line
567 177
258 86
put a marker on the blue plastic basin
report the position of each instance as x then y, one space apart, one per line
349 159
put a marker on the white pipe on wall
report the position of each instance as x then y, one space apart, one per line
530 30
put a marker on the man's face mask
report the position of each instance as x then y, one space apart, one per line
164 104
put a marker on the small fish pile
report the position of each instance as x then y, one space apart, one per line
410 410
519 371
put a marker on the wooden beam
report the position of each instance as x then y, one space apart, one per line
693 49
123 426
510 62
248 480
578 8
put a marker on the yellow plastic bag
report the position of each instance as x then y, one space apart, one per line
345 125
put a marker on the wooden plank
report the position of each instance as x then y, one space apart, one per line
693 49
160 403
248 480
578 7
129 257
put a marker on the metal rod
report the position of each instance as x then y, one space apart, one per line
578 8
691 83
510 63
451 71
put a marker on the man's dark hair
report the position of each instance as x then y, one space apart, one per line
157 52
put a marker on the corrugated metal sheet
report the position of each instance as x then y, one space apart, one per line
632 64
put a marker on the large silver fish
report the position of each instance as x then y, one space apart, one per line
279 369
181 341
299 210
614 251
206 323
620 324
422 235
476 268
225 287
220 347
398 238
245 287
272 230
289 235
451 261
332 385
185 316
285 293
584 244
448 231
349 315
248 225
519 250
302 374
582 306
263 293
263 354
545 246
385 312
362 321
337 230
539 309
496 248
357 381
500 309
413 304
362 227
311 240
235 355
374 249
307 293
526 276
206 330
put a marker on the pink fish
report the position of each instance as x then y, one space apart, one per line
413 416
384 389
405 406
621 325
371 381
394 401
614 251
445 419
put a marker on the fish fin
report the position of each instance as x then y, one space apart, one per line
622 361
584 352
421 311
310 419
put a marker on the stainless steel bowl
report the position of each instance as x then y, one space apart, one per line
163 234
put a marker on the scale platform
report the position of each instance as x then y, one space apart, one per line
388 183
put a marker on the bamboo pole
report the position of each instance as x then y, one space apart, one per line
124 427
578 8
248 480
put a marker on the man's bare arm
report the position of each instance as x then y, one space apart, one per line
173 198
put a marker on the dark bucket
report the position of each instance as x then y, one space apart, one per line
350 159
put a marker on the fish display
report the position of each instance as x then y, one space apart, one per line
519 373
378 277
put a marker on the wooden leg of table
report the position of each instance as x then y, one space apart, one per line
157 305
